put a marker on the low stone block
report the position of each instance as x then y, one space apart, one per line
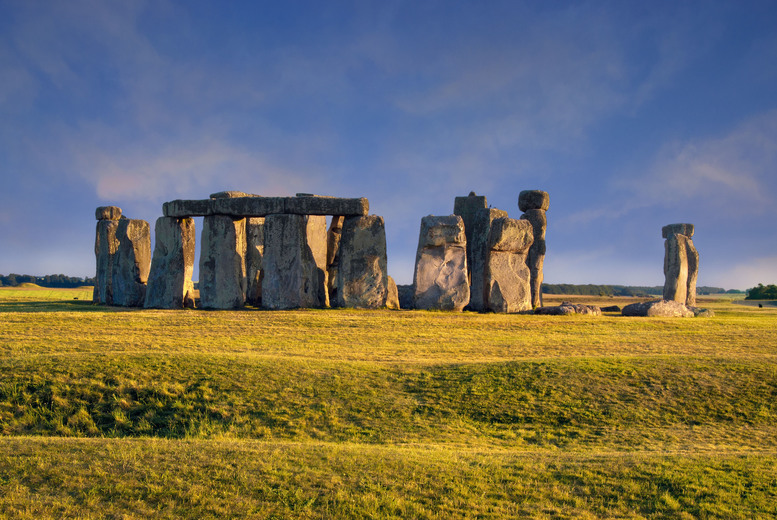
533 199
442 231
131 263
294 262
172 264
108 213
362 277
658 308
222 262
568 308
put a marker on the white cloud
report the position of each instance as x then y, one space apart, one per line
744 275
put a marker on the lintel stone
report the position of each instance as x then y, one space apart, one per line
240 207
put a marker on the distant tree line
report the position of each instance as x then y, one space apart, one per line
762 292
50 280
620 290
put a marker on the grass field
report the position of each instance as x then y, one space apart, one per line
117 413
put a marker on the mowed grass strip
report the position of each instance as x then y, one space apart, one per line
148 478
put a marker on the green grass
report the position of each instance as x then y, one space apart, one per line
126 413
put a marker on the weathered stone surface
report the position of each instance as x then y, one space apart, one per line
467 208
170 278
294 262
507 275
479 247
658 308
677 229
222 262
105 246
131 263
333 255
699 312
254 260
676 268
406 295
692 256
392 299
568 308
536 257
611 308
362 277
256 206
229 194
108 213
440 278
533 199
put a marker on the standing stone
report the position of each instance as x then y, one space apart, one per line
295 250
392 299
131 263
362 277
467 208
170 278
440 278
534 203
507 277
480 230
105 246
333 255
254 260
222 263
681 264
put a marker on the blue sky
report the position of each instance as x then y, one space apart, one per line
631 114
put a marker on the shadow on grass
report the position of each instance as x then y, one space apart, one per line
60 306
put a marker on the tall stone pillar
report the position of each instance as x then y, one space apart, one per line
105 247
254 260
681 264
534 204
362 275
440 278
507 280
131 263
467 208
481 228
222 262
295 251
170 278
333 237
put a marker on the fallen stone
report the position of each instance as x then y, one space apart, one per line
658 308
362 277
568 308
131 263
172 264
294 262
507 275
533 199
440 277
677 229
699 312
254 257
222 262
105 246
611 308
392 299
108 213
479 248
230 195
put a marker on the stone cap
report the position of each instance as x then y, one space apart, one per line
442 230
469 204
677 229
533 199
108 213
509 234
257 206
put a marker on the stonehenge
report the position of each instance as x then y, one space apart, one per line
507 278
440 277
534 204
170 283
681 264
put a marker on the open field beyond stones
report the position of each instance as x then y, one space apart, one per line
108 412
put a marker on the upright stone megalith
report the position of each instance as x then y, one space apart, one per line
534 204
131 263
362 276
294 262
481 228
507 280
254 260
467 208
105 247
222 262
170 278
440 278
333 237
681 264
